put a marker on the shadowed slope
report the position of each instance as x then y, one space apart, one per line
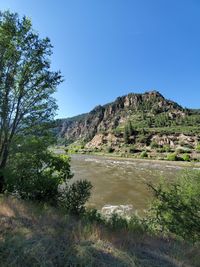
34 235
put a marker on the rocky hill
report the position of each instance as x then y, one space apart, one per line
110 116
133 119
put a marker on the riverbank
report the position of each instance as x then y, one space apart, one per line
185 164
33 235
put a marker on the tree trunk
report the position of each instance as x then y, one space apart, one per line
4 157
2 180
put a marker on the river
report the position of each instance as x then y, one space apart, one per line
121 181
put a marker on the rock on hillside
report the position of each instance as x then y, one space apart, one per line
110 116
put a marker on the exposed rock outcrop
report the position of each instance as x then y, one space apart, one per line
108 117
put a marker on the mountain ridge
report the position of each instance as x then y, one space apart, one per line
83 125
134 124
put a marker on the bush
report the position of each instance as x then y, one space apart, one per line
117 222
172 157
36 174
176 207
74 197
137 225
93 216
143 154
186 157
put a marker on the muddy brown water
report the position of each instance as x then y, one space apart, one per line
121 181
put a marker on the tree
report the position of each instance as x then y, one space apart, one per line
75 196
128 132
26 83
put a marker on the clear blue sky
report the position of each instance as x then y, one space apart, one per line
108 48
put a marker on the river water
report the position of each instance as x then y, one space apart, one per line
121 181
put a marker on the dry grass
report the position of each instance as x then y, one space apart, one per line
34 235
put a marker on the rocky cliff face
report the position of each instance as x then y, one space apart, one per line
110 116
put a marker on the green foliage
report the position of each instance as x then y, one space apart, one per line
172 157
34 173
128 132
93 216
143 154
165 148
117 222
198 147
186 157
176 207
134 224
74 148
137 224
126 135
27 83
73 197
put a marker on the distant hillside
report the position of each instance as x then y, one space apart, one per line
112 115
138 119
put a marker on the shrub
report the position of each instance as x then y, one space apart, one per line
137 225
93 216
74 197
117 222
172 157
198 147
143 154
176 207
186 157
36 174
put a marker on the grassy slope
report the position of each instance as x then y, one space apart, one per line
31 235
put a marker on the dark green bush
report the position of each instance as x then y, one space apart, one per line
93 216
35 173
73 197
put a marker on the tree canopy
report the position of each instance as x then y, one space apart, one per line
26 82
